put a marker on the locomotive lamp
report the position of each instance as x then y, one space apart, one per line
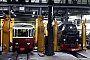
77 40
64 39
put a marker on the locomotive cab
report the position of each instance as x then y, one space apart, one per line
69 38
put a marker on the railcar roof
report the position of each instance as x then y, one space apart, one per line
23 28
22 25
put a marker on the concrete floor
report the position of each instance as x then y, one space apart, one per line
35 56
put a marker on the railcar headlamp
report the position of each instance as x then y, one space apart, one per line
28 43
79 44
16 43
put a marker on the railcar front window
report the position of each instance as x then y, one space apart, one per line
22 33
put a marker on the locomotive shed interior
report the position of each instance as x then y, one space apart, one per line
44 30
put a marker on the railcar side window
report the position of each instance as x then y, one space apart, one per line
13 32
30 33
16 32
34 32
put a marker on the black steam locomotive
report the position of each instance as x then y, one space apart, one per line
69 40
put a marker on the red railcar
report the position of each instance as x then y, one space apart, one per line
23 37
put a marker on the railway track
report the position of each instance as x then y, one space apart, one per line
77 55
22 56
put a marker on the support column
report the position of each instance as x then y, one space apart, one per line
30 1
11 30
81 18
6 34
40 13
66 19
84 35
40 1
66 2
40 9
87 1
49 47
40 34
81 1
9 11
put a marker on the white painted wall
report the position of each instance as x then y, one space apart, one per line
87 26
43 1
57 1
34 0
